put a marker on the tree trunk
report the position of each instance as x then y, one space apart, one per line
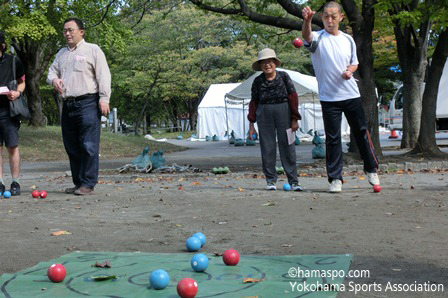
192 108
193 120
362 25
426 142
35 59
34 101
412 48
412 108
148 121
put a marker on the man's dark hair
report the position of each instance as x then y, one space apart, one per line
2 42
77 21
333 4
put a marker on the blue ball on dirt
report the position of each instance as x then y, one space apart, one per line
7 194
286 187
193 244
159 279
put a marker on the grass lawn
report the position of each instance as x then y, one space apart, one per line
45 144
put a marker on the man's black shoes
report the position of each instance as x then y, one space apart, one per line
15 189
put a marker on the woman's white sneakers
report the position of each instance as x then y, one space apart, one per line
271 186
294 187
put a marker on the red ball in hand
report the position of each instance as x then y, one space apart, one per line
231 257
297 42
35 193
187 288
56 273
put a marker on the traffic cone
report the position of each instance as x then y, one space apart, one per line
393 134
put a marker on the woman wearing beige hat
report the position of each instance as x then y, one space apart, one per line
274 106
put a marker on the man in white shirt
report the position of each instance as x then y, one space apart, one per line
81 77
333 54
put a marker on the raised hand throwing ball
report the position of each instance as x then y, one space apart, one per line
56 273
193 244
201 237
297 42
187 288
231 257
159 279
199 262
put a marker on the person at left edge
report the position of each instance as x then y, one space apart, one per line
81 77
9 127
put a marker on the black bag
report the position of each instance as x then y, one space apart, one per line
18 107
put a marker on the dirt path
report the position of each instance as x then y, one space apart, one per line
399 235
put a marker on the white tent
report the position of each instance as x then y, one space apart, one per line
306 88
304 84
212 113
312 118
225 106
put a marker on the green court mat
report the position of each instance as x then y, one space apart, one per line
278 273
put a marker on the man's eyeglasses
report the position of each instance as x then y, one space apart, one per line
69 30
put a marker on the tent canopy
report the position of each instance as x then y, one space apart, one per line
304 84
214 97
212 114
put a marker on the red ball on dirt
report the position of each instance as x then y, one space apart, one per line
43 194
231 257
35 193
297 42
187 288
376 188
56 273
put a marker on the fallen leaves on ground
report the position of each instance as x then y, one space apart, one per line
105 264
268 204
246 280
60 233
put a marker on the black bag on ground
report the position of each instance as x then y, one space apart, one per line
18 107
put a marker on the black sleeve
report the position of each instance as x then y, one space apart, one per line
288 83
20 69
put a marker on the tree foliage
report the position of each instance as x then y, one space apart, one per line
188 50
414 22
34 29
